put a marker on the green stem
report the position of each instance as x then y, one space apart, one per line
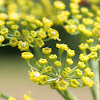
61 93
73 70
3 45
36 64
99 74
2 95
38 52
95 88
31 66
66 95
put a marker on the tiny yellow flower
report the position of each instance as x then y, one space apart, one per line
2 23
70 53
33 33
29 39
88 72
97 25
89 14
96 32
2 2
13 17
75 11
90 41
30 18
74 83
71 29
1 38
93 55
9 23
57 63
4 31
39 42
62 85
93 49
25 32
74 5
83 57
13 42
66 13
11 98
53 84
34 76
78 72
23 46
62 46
78 16
64 74
43 62
87 81
87 21
69 61
84 10
47 69
67 69
98 46
61 18
53 57
81 64
71 22
81 27
43 79
97 19
94 7
27 55
47 21
17 34
27 97
23 23
53 34
42 33
98 13
14 27
46 50
83 46
33 26
38 23
3 16
59 5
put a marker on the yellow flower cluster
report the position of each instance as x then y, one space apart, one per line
29 32
82 19
50 70
24 30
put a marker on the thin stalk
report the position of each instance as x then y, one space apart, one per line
38 52
3 45
67 95
31 66
95 88
2 95
73 70
62 94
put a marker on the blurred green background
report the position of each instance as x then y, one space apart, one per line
14 78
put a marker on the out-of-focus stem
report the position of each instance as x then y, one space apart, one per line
67 95
2 95
95 88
